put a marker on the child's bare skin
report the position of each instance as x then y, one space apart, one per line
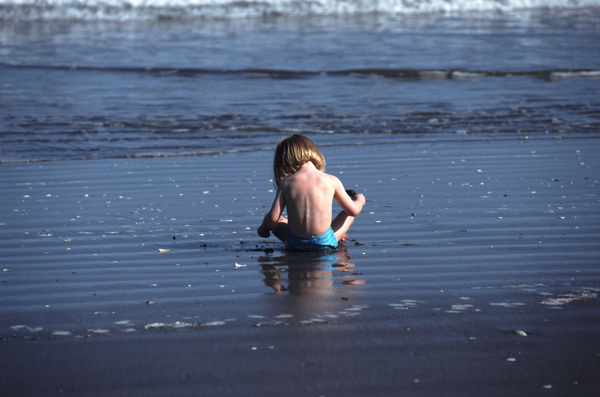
308 195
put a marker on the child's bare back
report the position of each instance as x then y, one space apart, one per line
308 195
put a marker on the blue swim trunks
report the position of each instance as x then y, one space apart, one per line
325 241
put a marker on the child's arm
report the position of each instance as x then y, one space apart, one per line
351 205
272 217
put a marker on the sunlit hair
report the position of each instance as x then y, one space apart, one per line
291 154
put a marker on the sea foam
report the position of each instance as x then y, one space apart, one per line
120 10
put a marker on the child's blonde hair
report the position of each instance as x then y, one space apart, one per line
291 154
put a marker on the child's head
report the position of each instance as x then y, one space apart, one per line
293 152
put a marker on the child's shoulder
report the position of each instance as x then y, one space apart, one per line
333 178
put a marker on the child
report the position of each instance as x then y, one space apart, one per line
308 193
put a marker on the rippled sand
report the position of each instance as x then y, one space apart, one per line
473 270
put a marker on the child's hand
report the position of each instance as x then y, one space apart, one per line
360 198
263 232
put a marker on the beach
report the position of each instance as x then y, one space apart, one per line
472 270
136 152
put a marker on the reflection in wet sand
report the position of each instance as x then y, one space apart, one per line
309 273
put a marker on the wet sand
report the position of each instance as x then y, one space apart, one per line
473 270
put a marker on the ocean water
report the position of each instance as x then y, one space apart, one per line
115 79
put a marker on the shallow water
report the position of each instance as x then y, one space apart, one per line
90 88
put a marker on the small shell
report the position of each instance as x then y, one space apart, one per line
156 325
164 250
521 333
98 331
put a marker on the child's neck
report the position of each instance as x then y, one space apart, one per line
308 166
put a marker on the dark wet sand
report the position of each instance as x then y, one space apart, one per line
473 271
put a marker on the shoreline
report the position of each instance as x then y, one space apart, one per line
330 140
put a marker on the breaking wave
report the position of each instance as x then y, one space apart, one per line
123 10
